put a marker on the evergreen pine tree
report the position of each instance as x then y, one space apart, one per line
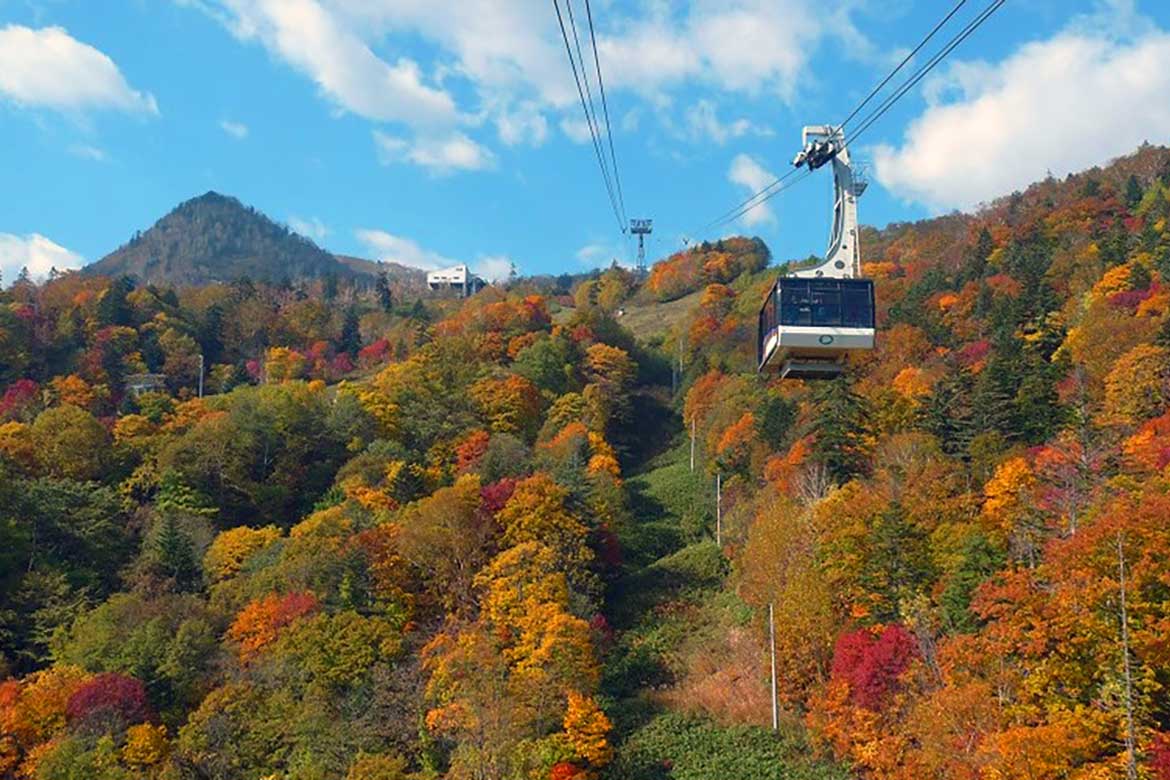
351 335
980 560
385 297
175 555
1115 246
898 565
774 419
975 265
175 496
113 308
329 287
947 415
210 333
1038 412
840 431
1133 192
993 396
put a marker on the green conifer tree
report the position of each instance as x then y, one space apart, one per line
1133 192
351 334
174 554
840 431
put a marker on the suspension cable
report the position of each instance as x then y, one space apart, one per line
605 111
777 186
585 107
900 65
922 72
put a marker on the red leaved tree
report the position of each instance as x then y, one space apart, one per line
871 664
109 702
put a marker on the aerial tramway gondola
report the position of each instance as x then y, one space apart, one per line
814 318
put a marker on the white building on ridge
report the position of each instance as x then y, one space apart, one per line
458 278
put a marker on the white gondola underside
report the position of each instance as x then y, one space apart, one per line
807 352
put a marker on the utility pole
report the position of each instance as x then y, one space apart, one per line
772 647
719 509
1130 737
200 374
641 228
692 445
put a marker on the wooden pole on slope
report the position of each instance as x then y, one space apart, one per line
772 646
719 509
692 444
1130 738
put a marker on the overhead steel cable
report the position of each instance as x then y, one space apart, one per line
745 209
605 111
746 205
770 190
591 116
591 109
922 72
873 93
585 107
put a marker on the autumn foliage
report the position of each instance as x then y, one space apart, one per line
109 696
405 536
262 621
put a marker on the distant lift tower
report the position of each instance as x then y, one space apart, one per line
641 228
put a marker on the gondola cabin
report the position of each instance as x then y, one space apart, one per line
808 326
813 319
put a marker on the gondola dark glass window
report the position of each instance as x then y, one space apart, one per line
829 303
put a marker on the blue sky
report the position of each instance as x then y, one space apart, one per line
432 131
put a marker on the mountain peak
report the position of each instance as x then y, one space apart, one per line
216 238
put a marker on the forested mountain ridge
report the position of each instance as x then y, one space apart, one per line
423 538
215 238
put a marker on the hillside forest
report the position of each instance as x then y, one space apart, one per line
327 528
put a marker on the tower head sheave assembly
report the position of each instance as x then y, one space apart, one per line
641 228
824 144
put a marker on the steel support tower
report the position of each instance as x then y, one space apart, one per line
641 228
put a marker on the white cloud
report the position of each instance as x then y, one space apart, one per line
48 68
390 248
311 37
309 228
503 63
600 255
1059 105
749 174
494 268
758 45
504 49
88 152
703 123
649 56
440 154
525 125
577 129
237 130
748 46
631 120
36 253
